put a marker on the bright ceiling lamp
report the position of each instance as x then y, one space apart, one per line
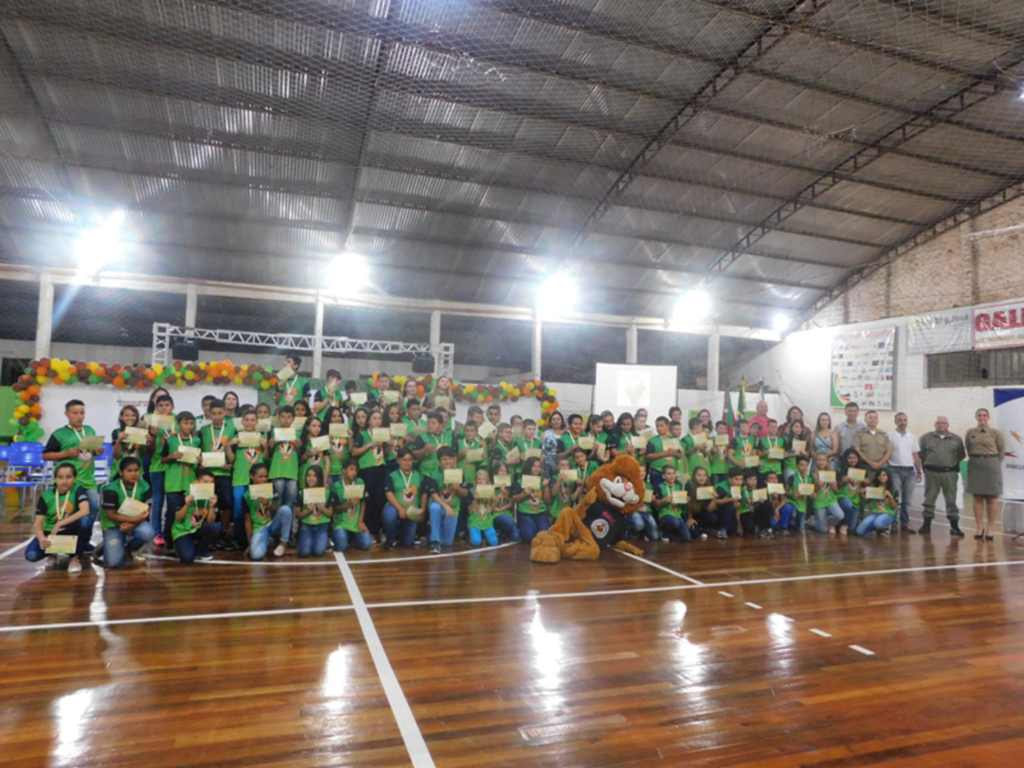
692 309
781 322
348 274
96 248
557 295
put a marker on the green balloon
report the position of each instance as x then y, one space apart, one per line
126 375
94 379
257 376
13 422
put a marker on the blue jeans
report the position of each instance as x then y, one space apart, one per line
850 512
826 517
476 535
197 543
506 527
531 525
674 526
785 514
341 538
175 501
313 539
82 528
905 479
156 504
397 529
278 528
116 542
875 522
286 491
374 479
654 477
442 527
644 522
722 518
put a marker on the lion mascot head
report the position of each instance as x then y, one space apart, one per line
619 484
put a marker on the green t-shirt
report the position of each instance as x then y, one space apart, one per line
534 503
482 514
179 476
718 459
259 513
314 461
563 499
657 445
428 463
193 521
292 391
339 453
799 502
245 459
846 492
284 462
695 456
373 457
824 496
407 488
790 461
469 468
347 512
216 440
66 439
879 507
744 446
569 442
317 517
158 447
335 400
56 506
771 465
665 491
139 492
450 498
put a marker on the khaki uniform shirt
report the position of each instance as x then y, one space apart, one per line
945 452
984 442
872 447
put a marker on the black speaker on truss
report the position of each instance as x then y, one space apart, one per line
422 362
185 349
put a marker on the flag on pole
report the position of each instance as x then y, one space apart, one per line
727 415
761 397
741 402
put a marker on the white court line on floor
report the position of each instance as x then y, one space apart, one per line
187 617
15 548
727 594
306 563
532 595
755 606
819 633
659 567
865 651
407 725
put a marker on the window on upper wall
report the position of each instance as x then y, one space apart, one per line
989 368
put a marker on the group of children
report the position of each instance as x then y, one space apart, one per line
353 466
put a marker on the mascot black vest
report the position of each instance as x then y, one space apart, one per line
607 524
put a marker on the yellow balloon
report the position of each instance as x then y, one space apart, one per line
264 384
158 369
41 379
179 383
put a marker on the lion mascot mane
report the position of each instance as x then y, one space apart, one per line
601 519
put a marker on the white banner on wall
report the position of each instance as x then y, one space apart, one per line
863 368
999 325
1009 419
951 331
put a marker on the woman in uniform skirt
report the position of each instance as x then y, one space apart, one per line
985 448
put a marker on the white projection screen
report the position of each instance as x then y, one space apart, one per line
620 388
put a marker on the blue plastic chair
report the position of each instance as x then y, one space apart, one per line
4 452
24 470
103 463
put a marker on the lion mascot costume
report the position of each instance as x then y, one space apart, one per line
601 519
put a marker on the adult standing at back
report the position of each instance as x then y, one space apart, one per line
848 430
905 466
985 448
941 454
873 445
826 440
761 417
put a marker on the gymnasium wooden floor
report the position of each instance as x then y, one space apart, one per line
805 651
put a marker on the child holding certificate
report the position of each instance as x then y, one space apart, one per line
801 489
879 506
349 526
528 495
773 452
559 491
673 512
796 447
125 438
242 459
161 424
696 445
370 455
195 528
643 521
180 457
755 509
782 508
338 452
482 513
78 445
718 454
315 508
403 490
284 458
851 483
62 510
265 518
214 439
504 523
125 514
316 447
827 512
446 492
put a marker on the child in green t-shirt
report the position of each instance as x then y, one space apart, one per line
796 497
195 528
214 438
768 445
349 523
339 446
313 457
125 532
472 452
559 493
65 444
62 510
849 495
482 514
284 460
178 474
314 516
532 511
718 455
657 455
673 516
696 446
265 519
743 445
880 514
330 395
827 512
755 515
162 406
445 501
242 460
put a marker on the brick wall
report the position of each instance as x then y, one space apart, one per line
969 265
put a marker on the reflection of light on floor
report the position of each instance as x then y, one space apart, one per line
780 629
548 655
70 712
336 678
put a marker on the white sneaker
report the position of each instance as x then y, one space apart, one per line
138 557
74 565
279 550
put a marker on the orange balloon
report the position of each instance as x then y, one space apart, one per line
33 390
101 371
36 409
23 396
41 370
72 370
58 380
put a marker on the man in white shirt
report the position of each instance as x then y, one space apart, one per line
905 465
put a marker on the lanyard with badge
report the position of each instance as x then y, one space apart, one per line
130 507
59 511
84 456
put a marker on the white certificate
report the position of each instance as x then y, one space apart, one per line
261 491
452 476
249 439
484 492
680 497
722 441
776 452
136 435
799 446
399 430
776 488
354 491
705 493
338 430
531 482
201 491
62 545
380 435
587 442
161 421
284 434
264 425
502 481
357 398
189 454
314 496
320 443
486 430
751 461
214 459
699 439
133 508
875 492
390 395
569 476
826 477
805 489
759 494
855 474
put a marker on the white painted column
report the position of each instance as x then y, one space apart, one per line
537 338
191 306
714 349
318 340
631 343
435 330
44 321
